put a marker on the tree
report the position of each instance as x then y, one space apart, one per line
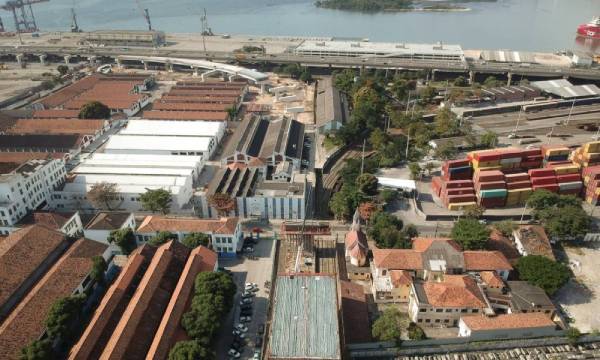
62 69
343 202
506 227
544 199
103 195
366 210
470 234
446 123
190 350
367 184
222 202
388 326
231 113
564 222
415 170
415 332
124 239
461 81
429 167
474 212
489 139
388 233
306 76
573 334
446 151
540 271
99 267
94 110
388 195
195 239
491 81
428 94
63 313
378 139
162 237
38 350
157 200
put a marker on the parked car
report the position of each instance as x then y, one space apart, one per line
258 342
245 301
234 353
237 344
256 355
239 334
245 318
241 328
247 312
247 293
246 307
250 286
261 328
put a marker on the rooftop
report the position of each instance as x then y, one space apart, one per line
154 223
191 106
508 321
355 311
55 113
485 260
185 115
56 126
330 106
305 320
162 143
564 89
525 296
453 291
534 240
379 48
107 220
39 141
173 128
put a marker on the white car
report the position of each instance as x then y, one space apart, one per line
239 334
241 328
233 353
256 355
245 301
245 318
250 286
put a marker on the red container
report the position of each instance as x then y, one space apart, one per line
568 178
490 185
487 156
553 164
518 185
460 191
540 173
533 158
490 175
591 170
452 199
543 180
549 187
436 186
532 152
531 164
454 184
457 176
490 203
516 177
511 153
457 163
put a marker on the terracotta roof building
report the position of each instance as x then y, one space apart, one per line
533 240
66 277
55 113
25 256
356 244
506 326
162 106
185 115
486 261
58 126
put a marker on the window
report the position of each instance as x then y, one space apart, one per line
438 310
475 310
422 310
427 320
229 240
448 310
463 310
437 320
420 320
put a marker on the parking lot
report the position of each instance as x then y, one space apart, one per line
255 267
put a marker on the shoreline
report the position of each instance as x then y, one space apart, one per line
391 11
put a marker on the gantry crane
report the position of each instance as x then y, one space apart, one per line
23 14
145 14
74 26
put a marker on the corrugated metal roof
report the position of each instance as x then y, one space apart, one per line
566 90
305 321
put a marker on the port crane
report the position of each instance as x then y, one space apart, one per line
74 26
145 14
23 14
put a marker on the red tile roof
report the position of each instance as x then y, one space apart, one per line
230 100
23 252
492 279
485 260
397 259
52 219
56 126
400 278
508 321
355 313
503 244
155 223
205 92
21 157
56 113
356 244
26 322
69 92
185 115
190 106
421 244
454 291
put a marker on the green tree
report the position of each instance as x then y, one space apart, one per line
343 202
344 80
573 334
157 200
491 81
387 231
190 350
378 139
99 267
489 139
445 123
400 89
506 227
103 195
388 326
124 239
543 199
62 315
231 113
195 239
162 237
94 110
38 350
367 184
388 195
564 222
446 151
62 69
306 76
415 170
470 234
461 81
415 332
474 212
543 272
428 94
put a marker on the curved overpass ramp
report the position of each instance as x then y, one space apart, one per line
245 73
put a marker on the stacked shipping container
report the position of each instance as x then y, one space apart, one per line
519 188
455 194
490 188
587 154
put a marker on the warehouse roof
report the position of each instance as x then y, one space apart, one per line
39 141
239 182
355 311
230 100
186 115
173 128
85 169
330 106
379 48
564 89
305 318
224 225
508 56
162 143
55 113
508 321
194 106
56 126
21 157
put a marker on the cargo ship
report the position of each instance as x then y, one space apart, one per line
591 29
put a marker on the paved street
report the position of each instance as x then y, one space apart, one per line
247 270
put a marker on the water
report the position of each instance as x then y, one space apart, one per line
542 25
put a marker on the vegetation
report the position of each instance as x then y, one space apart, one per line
461 81
62 69
446 151
63 313
474 212
365 5
506 227
387 195
94 110
103 195
343 202
543 272
488 140
99 267
305 76
157 200
193 240
388 326
561 215
367 184
415 332
573 335
389 232
470 234
190 350
124 239
162 237
491 82
38 350
222 203
231 113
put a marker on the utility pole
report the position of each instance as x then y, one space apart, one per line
407 103
570 112
518 119
523 213
205 30
362 161
407 142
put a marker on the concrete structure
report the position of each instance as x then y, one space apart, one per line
209 129
133 175
155 281
305 318
68 275
508 326
331 108
126 37
27 187
437 51
68 223
533 240
225 234
68 146
99 227
161 145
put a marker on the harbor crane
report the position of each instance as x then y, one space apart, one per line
145 14
74 26
23 14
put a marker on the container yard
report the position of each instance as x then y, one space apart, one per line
506 177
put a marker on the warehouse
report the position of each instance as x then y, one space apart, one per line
332 107
565 90
305 318
126 37
161 145
437 51
206 129
186 115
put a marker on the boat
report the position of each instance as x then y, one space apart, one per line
591 29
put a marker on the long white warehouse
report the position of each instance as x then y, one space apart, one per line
160 145
209 129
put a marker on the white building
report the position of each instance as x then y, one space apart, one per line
101 225
225 233
506 326
208 129
161 145
28 187
133 174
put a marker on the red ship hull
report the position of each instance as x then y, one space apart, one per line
589 31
